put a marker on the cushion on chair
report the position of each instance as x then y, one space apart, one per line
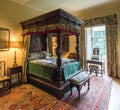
80 77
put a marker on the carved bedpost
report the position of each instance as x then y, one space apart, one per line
59 53
78 47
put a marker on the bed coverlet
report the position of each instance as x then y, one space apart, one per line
47 69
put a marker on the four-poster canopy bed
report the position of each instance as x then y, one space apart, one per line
54 78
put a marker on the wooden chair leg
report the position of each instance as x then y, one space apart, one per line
79 89
91 70
88 84
96 72
71 85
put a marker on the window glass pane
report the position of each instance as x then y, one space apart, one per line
96 38
98 33
99 39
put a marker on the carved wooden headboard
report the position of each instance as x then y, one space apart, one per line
38 43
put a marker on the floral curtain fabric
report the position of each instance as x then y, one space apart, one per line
26 42
111 36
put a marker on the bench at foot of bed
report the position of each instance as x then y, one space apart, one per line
79 80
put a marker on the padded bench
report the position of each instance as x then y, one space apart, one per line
79 80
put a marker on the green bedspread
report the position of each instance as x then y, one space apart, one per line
71 69
48 71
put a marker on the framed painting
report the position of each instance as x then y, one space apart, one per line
4 39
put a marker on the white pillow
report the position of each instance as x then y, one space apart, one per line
46 54
33 56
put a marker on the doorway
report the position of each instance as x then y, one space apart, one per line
95 37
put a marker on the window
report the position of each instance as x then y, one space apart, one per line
99 39
96 38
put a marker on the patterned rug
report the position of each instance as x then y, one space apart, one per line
97 98
28 97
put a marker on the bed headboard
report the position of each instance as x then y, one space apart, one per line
38 43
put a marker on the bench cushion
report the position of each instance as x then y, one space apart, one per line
80 77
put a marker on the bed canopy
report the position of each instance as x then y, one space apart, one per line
59 23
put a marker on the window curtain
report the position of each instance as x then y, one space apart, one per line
26 42
112 41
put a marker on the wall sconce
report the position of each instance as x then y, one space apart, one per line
15 44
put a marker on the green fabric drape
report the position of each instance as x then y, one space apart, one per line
43 71
48 71
71 69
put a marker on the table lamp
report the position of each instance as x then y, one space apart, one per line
14 44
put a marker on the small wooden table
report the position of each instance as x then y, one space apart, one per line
97 62
79 80
17 71
4 85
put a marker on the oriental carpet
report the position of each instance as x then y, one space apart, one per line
28 97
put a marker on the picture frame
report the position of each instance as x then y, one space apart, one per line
4 39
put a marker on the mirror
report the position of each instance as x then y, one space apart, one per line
4 39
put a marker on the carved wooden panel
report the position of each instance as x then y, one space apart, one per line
37 43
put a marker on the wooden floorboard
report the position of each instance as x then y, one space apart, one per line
114 103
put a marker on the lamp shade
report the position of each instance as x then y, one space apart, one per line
14 44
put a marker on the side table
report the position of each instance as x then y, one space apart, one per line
15 75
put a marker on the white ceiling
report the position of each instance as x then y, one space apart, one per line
73 6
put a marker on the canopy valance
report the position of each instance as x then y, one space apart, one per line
51 22
51 29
